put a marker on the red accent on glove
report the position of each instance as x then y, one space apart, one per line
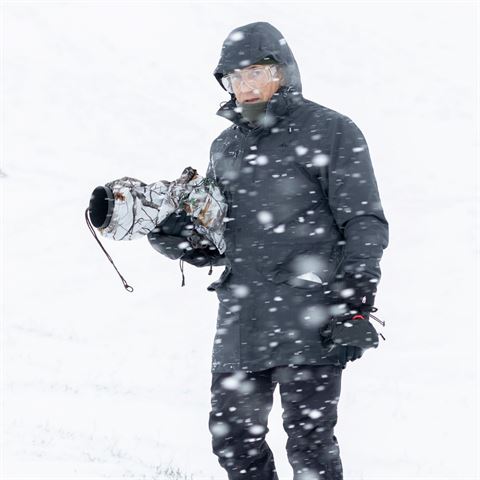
358 316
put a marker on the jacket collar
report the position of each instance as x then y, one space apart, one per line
279 106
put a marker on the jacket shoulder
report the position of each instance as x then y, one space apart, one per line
331 122
339 120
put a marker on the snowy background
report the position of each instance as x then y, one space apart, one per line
101 383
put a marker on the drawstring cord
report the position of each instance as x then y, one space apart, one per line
183 275
378 320
90 226
374 309
369 310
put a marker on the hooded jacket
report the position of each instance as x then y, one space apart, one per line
304 215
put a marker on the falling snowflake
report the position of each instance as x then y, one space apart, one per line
237 36
321 160
240 291
314 316
233 381
220 429
262 160
301 150
256 429
264 217
347 292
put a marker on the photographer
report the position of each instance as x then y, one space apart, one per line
304 239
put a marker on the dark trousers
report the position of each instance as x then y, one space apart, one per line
241 402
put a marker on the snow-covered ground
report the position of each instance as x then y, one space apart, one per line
101 383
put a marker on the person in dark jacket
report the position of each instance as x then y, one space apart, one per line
305 233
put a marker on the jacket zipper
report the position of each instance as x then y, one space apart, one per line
239 157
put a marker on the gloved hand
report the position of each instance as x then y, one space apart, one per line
178 224
170 236
352 326
354 330
353 353
355 334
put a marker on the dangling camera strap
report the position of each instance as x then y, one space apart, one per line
90 226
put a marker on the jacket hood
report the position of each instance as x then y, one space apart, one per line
250 43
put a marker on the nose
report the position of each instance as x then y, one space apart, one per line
244 87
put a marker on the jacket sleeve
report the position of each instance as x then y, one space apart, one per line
355 204
171 241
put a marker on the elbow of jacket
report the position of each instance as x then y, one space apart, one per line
374 227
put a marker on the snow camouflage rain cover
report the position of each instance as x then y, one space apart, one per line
139 208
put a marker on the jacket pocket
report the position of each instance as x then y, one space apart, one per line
302 282
223 278
303 269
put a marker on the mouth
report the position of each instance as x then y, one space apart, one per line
250 100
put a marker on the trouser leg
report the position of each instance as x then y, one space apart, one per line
241 402
310 394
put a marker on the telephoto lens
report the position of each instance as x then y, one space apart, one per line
101 207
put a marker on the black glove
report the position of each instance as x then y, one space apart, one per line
176 224
353 353
168 239
354 330
356 335
352 327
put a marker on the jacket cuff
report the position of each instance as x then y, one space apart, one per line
357 293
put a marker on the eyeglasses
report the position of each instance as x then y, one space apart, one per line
256 77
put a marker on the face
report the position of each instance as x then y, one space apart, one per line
251 91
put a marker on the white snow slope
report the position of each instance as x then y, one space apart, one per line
101 383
